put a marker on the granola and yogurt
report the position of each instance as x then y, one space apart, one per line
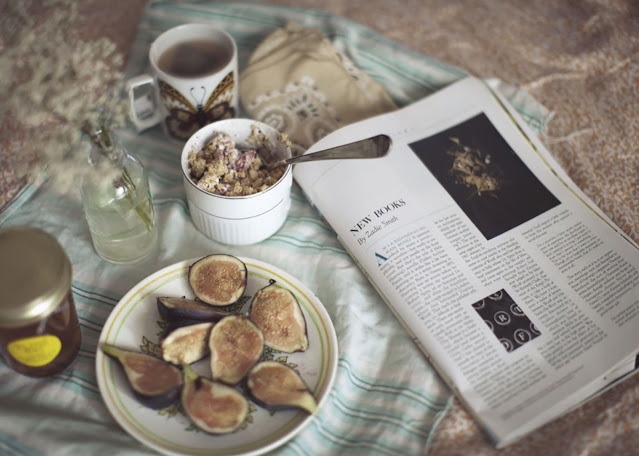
220 167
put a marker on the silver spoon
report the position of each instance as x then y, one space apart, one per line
373 147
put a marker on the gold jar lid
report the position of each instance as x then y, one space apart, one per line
35 275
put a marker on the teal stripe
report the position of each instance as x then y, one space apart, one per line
168 176
301 216
402 390
170 199
17 201
330 243
90 354
76 387
374 417
166 185
81 382
340 441
302 250
306 242
533 122
278 237
297 195
65 380
172 202
296 449
87 327
357 439
88 301
87 384
304 221
99 296
425 84
438 420
362 412
9 447
300 204
246 14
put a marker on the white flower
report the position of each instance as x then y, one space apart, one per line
53 83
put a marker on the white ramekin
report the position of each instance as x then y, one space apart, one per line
236 220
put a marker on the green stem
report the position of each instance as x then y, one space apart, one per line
102 140
139 209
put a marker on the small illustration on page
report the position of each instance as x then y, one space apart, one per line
474 169
506 320
484 176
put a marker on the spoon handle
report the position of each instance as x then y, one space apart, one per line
373 147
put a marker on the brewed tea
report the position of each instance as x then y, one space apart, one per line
194 58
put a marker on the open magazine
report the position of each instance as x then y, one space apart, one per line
518 289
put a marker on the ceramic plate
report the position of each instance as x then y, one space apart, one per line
135 324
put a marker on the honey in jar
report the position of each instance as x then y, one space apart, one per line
39 328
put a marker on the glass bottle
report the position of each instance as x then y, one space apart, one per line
117 202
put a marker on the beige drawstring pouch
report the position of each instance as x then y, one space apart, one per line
298 83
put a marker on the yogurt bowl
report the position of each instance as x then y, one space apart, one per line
240 219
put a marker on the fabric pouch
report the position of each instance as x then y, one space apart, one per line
297 82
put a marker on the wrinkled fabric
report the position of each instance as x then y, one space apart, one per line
386 399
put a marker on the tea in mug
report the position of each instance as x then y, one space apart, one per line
194 58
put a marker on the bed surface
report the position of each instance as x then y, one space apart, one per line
581 61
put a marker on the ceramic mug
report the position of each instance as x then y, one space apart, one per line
194 76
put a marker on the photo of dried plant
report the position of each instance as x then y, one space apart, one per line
474 169
484 176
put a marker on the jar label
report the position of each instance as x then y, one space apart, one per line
35 351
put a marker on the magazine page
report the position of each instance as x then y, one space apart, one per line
521 292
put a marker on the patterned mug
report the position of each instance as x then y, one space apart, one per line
194 75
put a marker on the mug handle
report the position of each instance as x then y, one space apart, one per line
143 102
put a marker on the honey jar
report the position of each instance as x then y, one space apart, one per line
39 328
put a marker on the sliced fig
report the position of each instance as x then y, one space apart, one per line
277 313
213 407
187 344
276 386
218 280
183 309
236 344
175 324
155 383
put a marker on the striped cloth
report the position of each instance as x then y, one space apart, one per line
386 400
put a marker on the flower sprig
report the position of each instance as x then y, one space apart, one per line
55 84
106 158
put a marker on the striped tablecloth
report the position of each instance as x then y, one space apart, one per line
387 399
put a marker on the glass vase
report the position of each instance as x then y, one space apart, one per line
117 202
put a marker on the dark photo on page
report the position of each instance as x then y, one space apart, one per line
506 320
484 176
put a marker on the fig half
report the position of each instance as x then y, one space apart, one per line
213 407
155 383
187 344
276 386
182 309
236 344
218 280
277 313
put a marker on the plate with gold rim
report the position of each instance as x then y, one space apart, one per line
135 324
